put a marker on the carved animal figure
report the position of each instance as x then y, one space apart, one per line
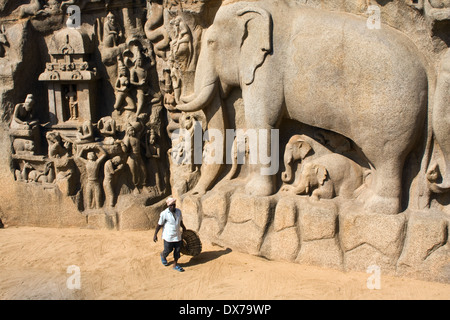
296 150
324 69
330 176
22 146
27 9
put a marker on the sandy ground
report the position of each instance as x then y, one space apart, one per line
126 265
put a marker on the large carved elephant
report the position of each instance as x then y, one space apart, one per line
325 69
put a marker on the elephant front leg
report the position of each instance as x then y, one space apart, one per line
263 143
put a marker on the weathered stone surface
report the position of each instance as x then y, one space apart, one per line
247 221
281 245
426 246
385 233
322 252
191 209
285 214
318 221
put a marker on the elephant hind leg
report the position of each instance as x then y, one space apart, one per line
385 188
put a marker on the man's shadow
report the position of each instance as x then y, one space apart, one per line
205 257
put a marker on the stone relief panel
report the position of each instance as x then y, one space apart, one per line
272 121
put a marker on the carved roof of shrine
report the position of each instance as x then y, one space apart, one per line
70 41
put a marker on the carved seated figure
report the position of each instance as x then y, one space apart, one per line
111 31
107 128
85 133
23 115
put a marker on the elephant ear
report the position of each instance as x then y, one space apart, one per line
322 174
256 42
303 147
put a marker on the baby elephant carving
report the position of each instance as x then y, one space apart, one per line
296 150
330 176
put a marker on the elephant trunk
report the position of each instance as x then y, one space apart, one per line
287 175
201 99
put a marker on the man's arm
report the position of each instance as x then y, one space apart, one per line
182 226
155 237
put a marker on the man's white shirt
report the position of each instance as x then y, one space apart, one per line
171 225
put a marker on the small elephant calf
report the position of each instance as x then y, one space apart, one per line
330 176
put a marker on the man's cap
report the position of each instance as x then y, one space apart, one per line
170 201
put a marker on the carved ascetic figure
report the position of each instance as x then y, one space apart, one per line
268 44
112 32
107 128
92 166
112 167
85 133
23 115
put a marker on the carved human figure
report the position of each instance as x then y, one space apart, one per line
92 164
107 128
139 78
3 41
71 96
153 153
112 32
181 44
85 133
112 167
131 145
122 89
23 115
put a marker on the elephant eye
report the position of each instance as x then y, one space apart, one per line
211 42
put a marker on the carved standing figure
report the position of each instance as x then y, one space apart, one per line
92 164
3 41
131 145
112 167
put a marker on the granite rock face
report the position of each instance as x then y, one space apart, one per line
314 132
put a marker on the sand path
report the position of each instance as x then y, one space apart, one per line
126 265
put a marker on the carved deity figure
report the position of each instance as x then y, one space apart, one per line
71 96
131 145
92 165
139 78
122 89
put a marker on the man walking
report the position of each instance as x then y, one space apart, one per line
170 220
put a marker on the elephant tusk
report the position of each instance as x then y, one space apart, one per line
201 100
